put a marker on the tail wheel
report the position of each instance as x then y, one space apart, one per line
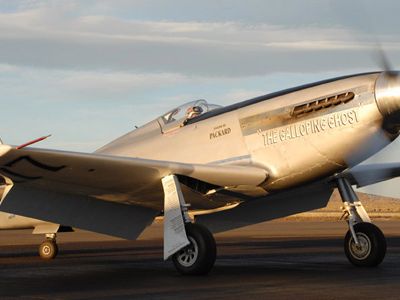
48 249
199 256
371 249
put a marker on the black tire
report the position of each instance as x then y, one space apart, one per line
373 245
198 258
48 250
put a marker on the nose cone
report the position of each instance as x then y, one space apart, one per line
387 95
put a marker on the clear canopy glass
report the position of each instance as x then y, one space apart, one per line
184 112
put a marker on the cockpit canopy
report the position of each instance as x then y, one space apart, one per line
179 116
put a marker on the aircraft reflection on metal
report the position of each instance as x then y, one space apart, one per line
257 160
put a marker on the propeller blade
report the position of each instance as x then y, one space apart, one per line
383 60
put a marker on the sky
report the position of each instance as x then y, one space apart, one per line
89 71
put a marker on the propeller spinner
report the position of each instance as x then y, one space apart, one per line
387 95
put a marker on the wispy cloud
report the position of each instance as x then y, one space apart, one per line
54 37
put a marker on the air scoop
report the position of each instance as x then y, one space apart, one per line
387 96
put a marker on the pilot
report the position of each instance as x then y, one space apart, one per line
193 111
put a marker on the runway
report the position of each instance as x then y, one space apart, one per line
275 260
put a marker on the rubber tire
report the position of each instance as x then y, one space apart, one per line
51 246
207 251
378 245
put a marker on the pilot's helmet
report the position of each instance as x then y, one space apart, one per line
197 109
194 111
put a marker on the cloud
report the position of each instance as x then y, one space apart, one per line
58 38
36 84
44 86
113 83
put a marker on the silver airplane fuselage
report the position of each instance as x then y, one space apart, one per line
298 135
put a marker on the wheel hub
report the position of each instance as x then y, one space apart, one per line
46 250
188 255
363 249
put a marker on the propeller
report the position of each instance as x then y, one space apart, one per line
383 60
384 135
387 95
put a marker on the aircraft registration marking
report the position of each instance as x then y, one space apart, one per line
308 127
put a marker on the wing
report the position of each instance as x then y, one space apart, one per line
99 192
285 203
363 175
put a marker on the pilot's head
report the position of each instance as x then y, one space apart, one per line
193 111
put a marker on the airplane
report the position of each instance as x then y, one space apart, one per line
206 168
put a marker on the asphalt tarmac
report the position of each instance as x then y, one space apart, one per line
275 260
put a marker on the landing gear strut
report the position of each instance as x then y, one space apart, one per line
364 244
49 249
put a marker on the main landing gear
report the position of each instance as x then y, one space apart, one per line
364 244
191 246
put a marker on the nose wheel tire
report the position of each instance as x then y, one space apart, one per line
371 249
48 250
199 256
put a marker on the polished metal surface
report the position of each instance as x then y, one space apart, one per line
295 150
387 93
